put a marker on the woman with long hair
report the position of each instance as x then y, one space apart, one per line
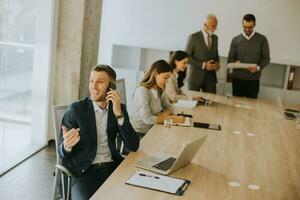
150 105
179 62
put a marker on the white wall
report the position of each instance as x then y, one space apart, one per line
166 24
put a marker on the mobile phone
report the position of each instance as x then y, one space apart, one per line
207 126
111 85
291 110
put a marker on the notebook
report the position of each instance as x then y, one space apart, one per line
187 122
166 164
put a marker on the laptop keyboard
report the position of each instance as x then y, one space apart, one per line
166 164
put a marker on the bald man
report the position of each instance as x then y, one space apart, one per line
202 47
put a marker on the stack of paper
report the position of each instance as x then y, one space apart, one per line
232 66
186 103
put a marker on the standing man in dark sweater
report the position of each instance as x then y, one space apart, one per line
202 47
248 47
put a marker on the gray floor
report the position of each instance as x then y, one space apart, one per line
32 179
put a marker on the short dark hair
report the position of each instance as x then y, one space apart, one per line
105 68
249 18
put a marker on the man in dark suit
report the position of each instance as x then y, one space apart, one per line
89 130
202 47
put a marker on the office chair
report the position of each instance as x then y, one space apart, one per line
120 83
62 180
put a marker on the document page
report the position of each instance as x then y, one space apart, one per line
186 103
154 181
240 65
187 122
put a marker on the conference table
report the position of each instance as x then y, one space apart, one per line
255 155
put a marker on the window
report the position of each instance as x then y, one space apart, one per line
25 46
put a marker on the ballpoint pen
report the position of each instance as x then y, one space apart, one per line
147 175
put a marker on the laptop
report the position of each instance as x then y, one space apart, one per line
289 114
166 164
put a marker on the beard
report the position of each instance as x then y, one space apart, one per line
210 32
98 99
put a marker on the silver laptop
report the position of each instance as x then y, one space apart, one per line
166 164
287 113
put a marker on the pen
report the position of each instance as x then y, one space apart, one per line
147 175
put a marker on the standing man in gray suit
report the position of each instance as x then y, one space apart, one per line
202 47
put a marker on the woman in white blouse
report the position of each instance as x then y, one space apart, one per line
179 62
150 105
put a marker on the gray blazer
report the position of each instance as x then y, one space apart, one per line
199 53
145 109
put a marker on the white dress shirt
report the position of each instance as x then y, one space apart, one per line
103 153
205 35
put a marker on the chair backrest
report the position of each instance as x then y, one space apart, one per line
278 102
120 83
58 112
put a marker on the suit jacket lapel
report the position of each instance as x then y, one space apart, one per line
206 50
91 120
110 121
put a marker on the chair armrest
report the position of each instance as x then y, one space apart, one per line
65 170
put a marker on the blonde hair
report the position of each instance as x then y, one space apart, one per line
158 67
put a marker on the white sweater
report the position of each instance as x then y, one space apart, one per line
172 91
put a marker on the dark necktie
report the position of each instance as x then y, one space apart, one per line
208 41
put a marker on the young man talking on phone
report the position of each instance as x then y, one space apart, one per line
89 130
